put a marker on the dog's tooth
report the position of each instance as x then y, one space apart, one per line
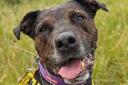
83 65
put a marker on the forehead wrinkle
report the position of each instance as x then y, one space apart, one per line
49 18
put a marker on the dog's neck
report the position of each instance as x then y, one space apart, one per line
55 80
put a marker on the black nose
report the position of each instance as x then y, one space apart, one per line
65 41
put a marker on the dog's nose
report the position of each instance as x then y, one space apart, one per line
65 41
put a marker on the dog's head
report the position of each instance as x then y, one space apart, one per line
65 37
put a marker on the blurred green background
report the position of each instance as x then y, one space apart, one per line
111 66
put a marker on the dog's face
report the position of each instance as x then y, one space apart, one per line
65 38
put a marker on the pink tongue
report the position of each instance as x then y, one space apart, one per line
71 70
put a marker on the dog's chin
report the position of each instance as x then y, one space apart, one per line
77 71
78 80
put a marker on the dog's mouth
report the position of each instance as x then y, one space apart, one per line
71 69
76 70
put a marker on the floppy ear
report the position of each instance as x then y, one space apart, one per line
27 25
101 6
92 5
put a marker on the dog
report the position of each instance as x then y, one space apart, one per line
65 39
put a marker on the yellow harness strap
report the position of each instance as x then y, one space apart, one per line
29 78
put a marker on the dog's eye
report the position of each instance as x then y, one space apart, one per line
77 18
42 29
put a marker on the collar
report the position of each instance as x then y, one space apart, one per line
50 77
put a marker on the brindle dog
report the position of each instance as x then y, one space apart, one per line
65 38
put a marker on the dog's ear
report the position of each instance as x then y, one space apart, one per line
27 25
92 5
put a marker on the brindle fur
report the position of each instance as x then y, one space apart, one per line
58 20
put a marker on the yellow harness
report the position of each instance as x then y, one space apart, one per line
29 78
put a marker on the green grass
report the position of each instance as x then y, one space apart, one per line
111 65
